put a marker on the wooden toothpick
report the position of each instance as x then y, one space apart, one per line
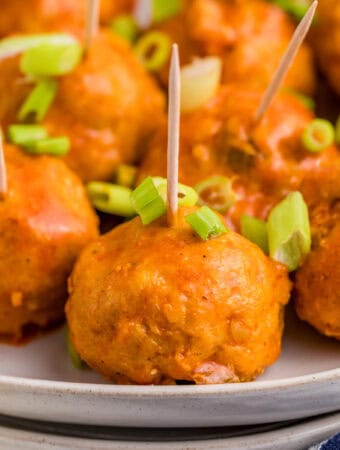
3 174
92 22
143 13
173 135
286 61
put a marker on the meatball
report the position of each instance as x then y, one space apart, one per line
317 296
326 39
153 304
33 16
316 293
264 162
45 221
111 8
108 107
249 35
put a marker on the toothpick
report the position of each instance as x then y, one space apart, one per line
173 135
286 61
92 22
3 174
143 13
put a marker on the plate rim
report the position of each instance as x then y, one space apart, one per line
51 386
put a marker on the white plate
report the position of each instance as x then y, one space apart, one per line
38 382
294 437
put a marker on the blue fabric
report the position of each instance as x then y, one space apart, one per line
331 444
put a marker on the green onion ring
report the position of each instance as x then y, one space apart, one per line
111 198
153 50
206 223
217 193
318 135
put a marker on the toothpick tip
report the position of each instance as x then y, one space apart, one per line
173 135
286 61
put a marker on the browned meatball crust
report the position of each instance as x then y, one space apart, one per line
156 304
108 107
45 221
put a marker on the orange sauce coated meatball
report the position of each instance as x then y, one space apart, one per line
154 304
326 39
108 107
317 296
249 35
45 221
265 162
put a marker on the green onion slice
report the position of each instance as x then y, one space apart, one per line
111 198
163 10
289 232
296 8
126 175
153 50
318 135
337 131
206 223
51 60
200 81
217 193
38 102
125 26
77 362
149 198
26 134
147 201
18 44
304 99
187 196
255 230
54 146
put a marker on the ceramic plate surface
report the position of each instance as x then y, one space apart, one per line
293 437
38 382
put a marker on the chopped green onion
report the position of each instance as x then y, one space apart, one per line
163 10
17 44
26 134
337 131
199 81
217 193
289 232
77 362
57 146
304 99
296 8
149 198
153 50
147 201
125 26
187 196
39 101
255 230
111 198
318 135
206 223
126 175
51 60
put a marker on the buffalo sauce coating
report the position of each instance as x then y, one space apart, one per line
152 304
108 107
34 16
265 162
326 39
249 35
317 298
45 221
